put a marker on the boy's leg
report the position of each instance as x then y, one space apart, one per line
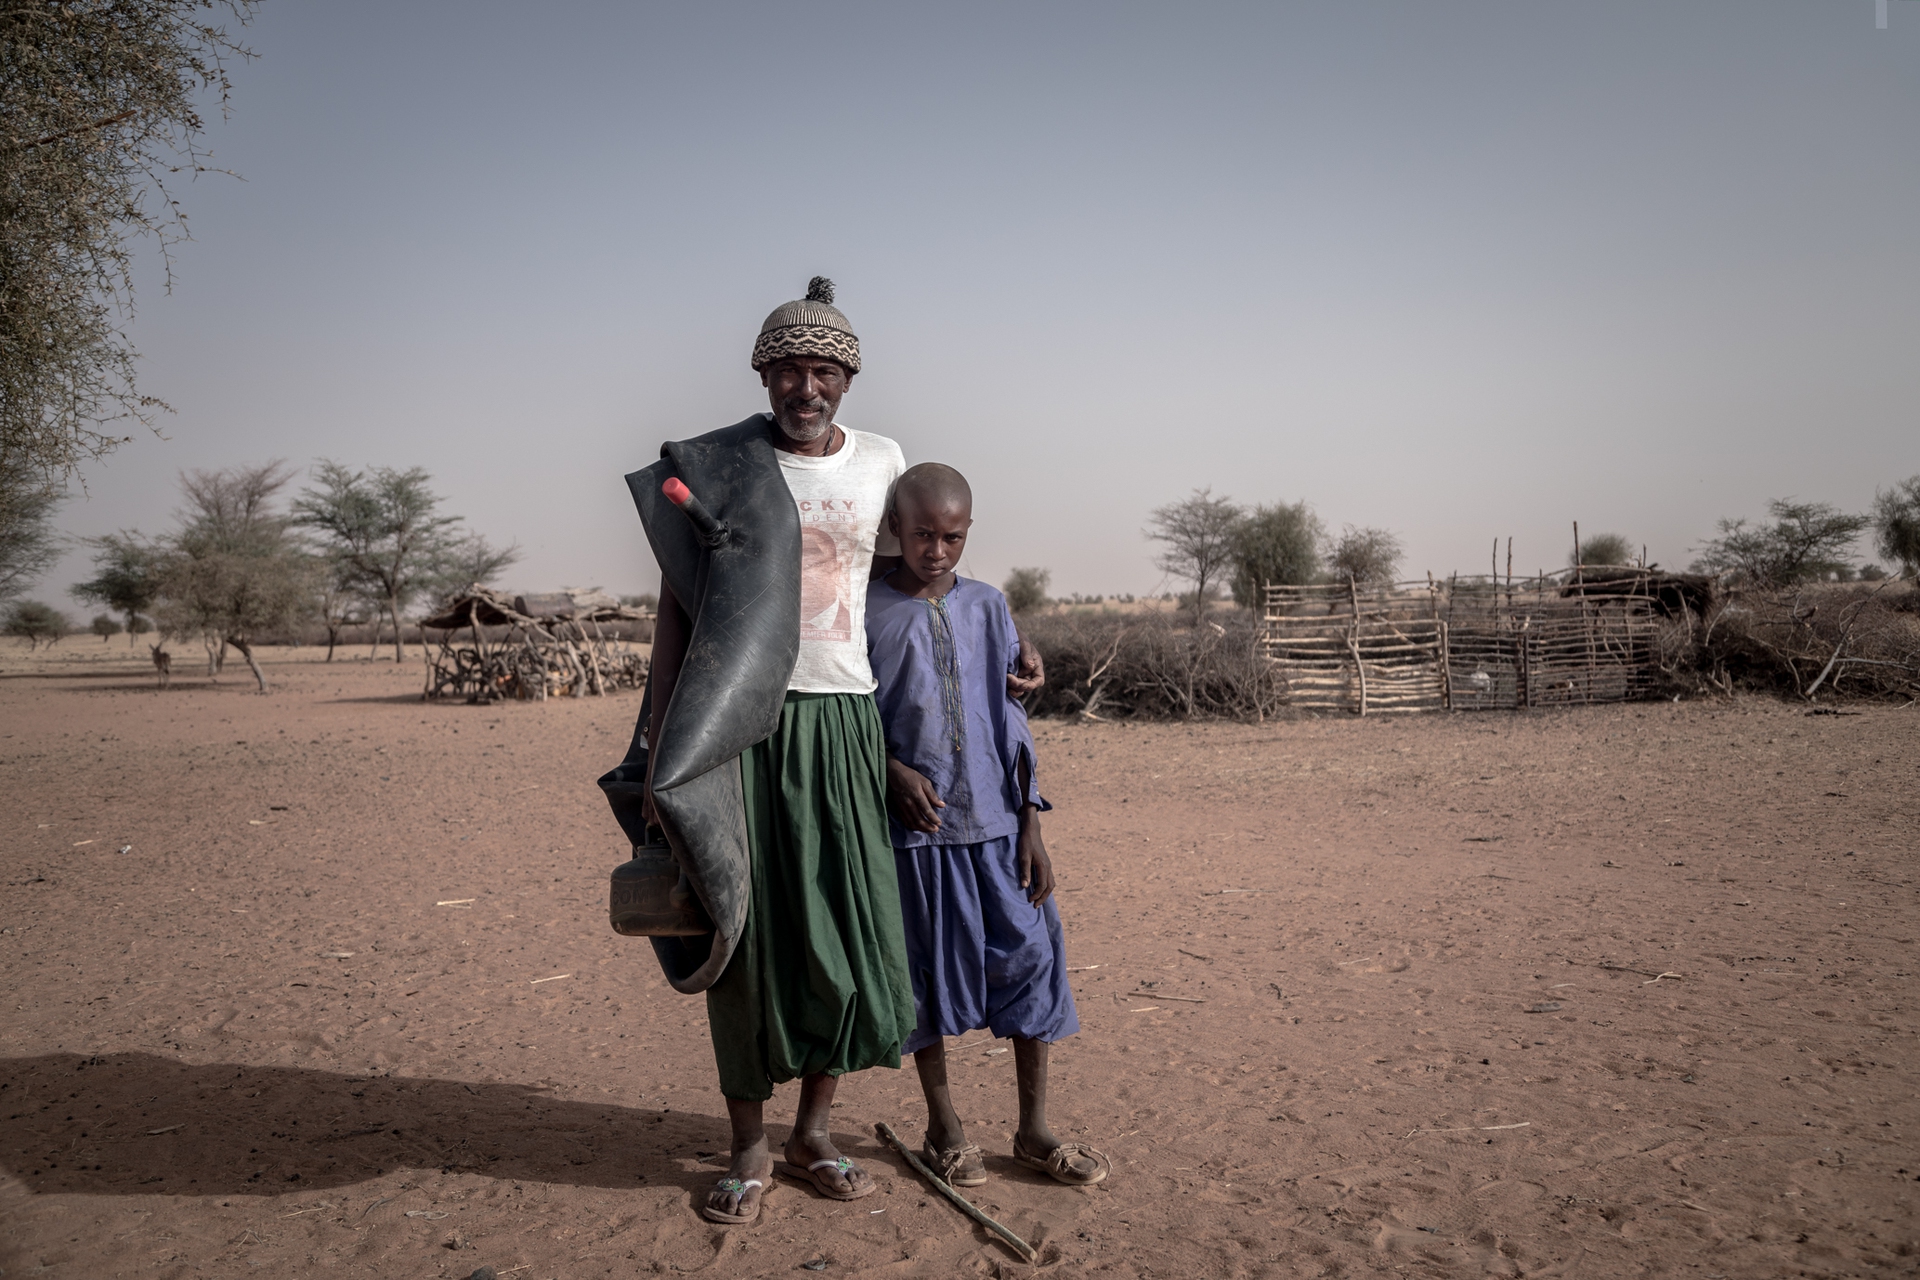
751 1160
944 1131
810 1142
953 1158
1034 1136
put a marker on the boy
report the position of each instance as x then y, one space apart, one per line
983 934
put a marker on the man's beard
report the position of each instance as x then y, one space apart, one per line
794 429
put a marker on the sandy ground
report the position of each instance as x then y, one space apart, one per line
1617 992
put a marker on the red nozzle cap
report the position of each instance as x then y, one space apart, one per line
677 493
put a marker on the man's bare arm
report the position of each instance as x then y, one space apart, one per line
670 632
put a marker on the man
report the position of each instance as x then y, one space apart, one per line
759 753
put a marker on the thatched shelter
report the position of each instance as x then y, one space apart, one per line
531 647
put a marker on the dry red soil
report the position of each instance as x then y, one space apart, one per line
1613 992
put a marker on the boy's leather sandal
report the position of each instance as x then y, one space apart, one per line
958 1166
1059 1165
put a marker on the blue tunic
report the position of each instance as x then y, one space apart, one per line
980 954
941 667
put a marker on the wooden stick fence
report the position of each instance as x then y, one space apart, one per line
1477 643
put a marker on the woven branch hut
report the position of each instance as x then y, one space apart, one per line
532 647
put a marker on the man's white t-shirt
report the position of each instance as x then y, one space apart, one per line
843 501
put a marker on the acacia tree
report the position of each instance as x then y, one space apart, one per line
99 106
1279 544
33 622
1896 520
382 530
28 544
124 580
338 601
1365 555
1196 541
234 568
471 561
1807 540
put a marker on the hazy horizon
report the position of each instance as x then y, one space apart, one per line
1458 270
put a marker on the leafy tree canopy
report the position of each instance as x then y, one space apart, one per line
33 622
124 579
1806 541
1278 544
99 109
28 544
1896 525
1603 548
234 568
1365 555
1196 537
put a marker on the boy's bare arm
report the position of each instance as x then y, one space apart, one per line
1036 868
1031 672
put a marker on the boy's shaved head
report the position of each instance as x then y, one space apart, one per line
933 486
931 513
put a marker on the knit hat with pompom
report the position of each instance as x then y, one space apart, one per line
813 326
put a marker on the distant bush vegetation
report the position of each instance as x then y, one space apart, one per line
1806 542
1026 589
1603 548
32 621
1154 664
1365 555
1209 541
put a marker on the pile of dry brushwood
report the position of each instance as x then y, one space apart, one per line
1814 640
1154 665
531 647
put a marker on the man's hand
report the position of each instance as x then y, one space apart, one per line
914 800
1031 673
1036 868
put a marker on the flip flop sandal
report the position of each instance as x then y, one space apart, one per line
731 1186
840 1165
959 1167
1058 1164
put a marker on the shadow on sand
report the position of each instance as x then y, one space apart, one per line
137 1124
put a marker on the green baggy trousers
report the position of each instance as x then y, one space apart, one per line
819 980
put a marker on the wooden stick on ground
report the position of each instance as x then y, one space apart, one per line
892 1139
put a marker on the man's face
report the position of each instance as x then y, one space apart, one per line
932 533
805 394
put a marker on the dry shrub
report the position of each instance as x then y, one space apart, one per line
1154 665
1838 639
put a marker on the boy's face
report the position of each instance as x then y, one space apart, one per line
932 533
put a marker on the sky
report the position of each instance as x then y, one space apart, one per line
1462 270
